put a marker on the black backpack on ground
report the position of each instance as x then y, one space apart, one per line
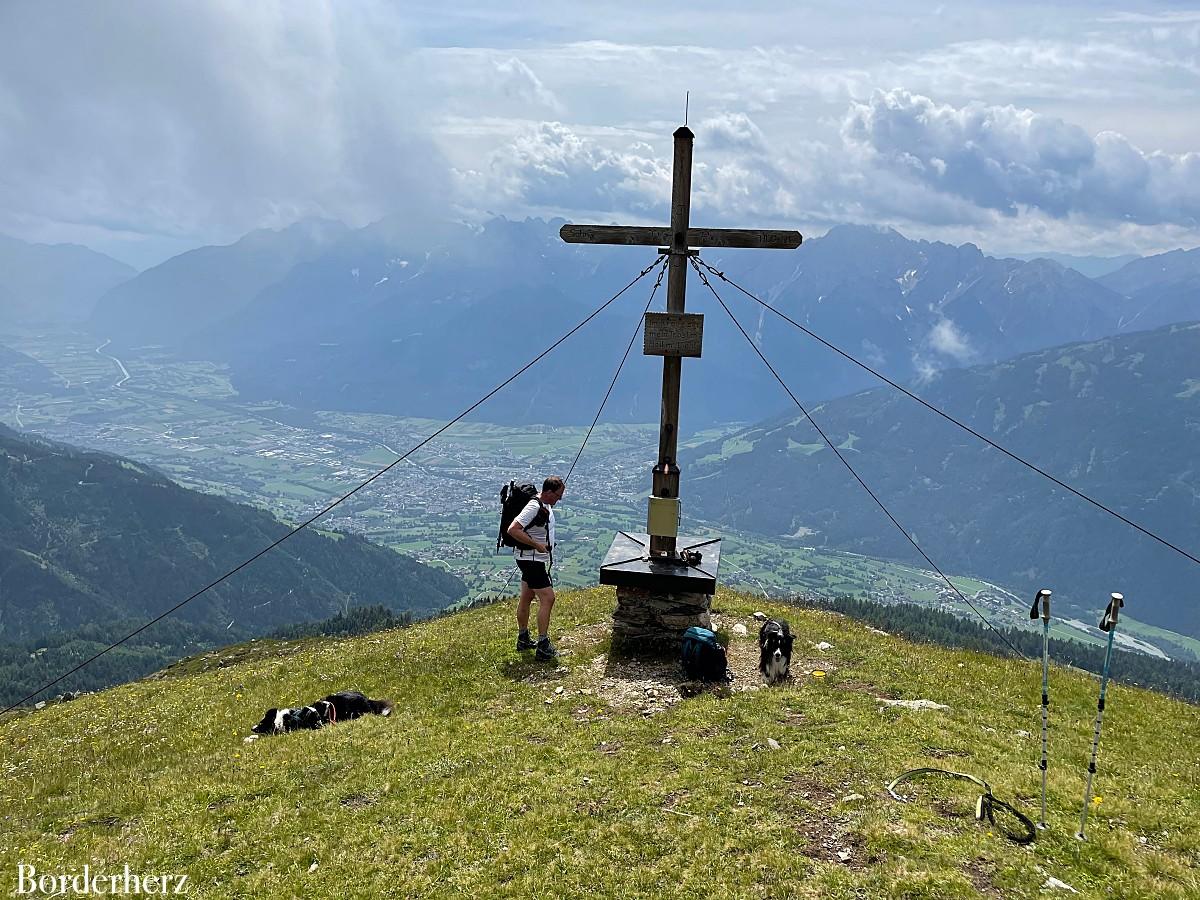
514 498
703 657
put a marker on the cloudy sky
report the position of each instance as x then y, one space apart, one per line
145 128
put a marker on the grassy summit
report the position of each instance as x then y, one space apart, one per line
499 777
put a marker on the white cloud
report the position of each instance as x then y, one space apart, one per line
932 170
550 167
733 131
176 124
1007 159
518 80
925 370
946 339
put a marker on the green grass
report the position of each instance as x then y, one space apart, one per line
806 449
732 447
490 781
1150 632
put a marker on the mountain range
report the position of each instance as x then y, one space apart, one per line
1117 418
43 284
421 322
382 319
169 303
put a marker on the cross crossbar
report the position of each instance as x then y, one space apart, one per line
756 238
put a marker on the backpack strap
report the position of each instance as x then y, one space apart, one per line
543 519
543 511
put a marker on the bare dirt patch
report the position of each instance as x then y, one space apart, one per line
821 814
945 752
843 847
651 686
813 792
645 686
830 839
980 871
359 801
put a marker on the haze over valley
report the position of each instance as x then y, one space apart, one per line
238 398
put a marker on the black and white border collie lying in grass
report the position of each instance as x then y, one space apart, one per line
775 650
334 708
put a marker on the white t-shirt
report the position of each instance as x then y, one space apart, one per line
543 534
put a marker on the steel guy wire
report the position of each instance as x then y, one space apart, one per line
646 271
949 418
846 463
620 366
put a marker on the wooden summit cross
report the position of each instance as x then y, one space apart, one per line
671 335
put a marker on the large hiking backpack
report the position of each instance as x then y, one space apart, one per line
514 498
703 657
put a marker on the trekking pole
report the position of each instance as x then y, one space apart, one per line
1109 624
1043 599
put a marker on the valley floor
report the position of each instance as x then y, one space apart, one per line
441 506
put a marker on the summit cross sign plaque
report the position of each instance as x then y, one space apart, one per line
660 560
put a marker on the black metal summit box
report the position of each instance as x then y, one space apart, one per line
628 564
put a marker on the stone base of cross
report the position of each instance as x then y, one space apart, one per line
668 581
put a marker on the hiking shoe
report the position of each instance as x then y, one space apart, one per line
546 652
525 642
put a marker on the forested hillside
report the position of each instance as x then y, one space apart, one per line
92 544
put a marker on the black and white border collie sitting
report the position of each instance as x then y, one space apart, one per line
328 711
775 646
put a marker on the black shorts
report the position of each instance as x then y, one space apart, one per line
534 573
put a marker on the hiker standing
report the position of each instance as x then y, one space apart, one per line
533 533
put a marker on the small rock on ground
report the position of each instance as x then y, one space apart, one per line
1053 883
912 704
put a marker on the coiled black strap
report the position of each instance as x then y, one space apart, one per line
985 806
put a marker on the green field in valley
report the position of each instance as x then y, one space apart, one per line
440 505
